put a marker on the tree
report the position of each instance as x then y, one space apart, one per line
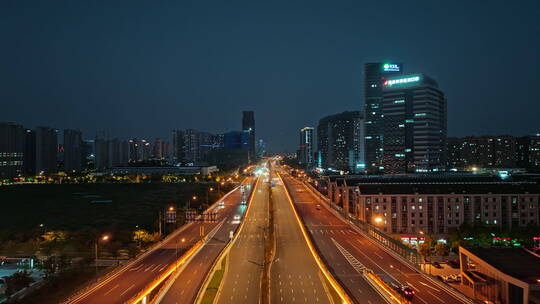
425 250
442 249
17 281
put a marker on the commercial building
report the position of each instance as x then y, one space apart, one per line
46 150
436 203
340 141
248 126
11 150
414 124
73 150
305 148
375 74
501 275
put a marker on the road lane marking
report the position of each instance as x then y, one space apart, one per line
133 285
427 285
436 297
110 290
380 257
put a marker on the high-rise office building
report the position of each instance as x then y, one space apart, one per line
340 141
73 150
374 75
46 150
305 149
236 140
414 124
11 150
248 125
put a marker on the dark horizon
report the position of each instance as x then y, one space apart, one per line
143 70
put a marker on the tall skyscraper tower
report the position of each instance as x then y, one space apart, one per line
11 150
248 125
414 132
306 146
73 150
340 143
374 76
46 150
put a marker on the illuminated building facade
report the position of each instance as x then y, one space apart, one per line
436 205
339 141
413 124
305 149
11 150
499 151
374 76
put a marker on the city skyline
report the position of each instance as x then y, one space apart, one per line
322 48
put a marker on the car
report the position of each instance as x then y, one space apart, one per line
436 265
236 217
222 204
407 292
454 264
318 207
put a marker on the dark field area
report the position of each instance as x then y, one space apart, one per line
69 207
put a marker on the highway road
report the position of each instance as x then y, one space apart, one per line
127 282
342 247
242 278
190 280
295 276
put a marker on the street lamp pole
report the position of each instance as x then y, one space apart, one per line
103 238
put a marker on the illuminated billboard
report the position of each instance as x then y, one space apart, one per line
391 67
402 81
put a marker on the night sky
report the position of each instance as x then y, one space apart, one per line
141 69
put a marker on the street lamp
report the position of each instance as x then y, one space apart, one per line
103 238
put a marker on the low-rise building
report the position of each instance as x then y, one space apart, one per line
501 275
173 170
436 204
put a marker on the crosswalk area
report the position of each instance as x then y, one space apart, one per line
328 231
359 267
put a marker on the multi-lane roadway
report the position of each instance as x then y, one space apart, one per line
134 277
295 276
242 278
347 252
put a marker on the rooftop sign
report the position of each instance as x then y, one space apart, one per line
391 67
406 80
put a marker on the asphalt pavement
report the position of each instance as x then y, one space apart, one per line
295 276
346 252
190 280
241 280
126 283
